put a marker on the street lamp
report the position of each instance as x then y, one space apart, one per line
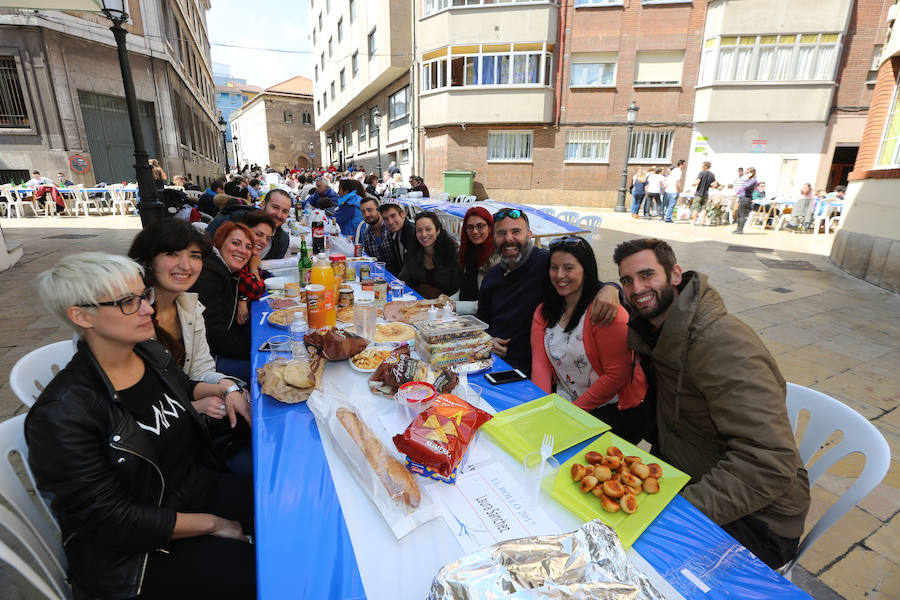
377 116
632 117
312 148
329 139
223 127
148 206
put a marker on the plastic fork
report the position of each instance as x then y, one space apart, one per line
546 452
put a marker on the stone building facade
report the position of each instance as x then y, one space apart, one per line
66 107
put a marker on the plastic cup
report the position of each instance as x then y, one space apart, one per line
364 318
533 482
280 348
396 290
380 268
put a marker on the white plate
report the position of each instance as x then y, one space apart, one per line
275 283
361 370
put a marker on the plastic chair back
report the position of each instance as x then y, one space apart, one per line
591 223
548 211
444 197
34 371
569 216
827 415
26 523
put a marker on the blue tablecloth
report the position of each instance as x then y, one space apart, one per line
303 546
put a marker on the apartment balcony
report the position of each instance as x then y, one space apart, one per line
485 23
480 105
763 102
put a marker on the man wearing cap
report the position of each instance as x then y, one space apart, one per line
402 234
511 290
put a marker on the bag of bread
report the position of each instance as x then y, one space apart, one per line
360 442
334 343
399 368
439 437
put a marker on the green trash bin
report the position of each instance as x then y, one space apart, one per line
457 182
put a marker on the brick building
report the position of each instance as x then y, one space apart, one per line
276 128
868 242
551 129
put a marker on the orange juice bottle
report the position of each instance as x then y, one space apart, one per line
322 274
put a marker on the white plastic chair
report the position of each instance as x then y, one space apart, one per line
38 535
591 223
548 211
14 202
84 202
470 199
194 194
444 197
569 216
460 199
121 201
827 415
31 374
200 226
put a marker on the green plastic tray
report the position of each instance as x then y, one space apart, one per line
519 430
587 506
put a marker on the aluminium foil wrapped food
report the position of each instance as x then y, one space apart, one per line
588 563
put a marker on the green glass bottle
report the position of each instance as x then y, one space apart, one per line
304 264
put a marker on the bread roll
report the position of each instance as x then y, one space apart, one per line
630 460
588 483
602 473
613 489
395 478
628 503
640 470
593 457
613 451
578 472
651 485
656 471
608 504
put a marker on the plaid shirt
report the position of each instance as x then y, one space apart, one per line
383 249
250 284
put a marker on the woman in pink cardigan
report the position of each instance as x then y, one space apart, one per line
591 366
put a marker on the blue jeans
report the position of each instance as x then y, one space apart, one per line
636 201
670 202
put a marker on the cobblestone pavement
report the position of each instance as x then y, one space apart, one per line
828 331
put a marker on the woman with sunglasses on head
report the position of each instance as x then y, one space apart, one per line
431 266
476 256
146 508
591 365
217 287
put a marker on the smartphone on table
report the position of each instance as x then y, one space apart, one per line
501 377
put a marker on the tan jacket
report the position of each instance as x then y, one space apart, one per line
721 414
198 362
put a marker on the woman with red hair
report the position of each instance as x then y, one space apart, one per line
476 256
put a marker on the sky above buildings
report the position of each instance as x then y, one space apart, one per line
266 24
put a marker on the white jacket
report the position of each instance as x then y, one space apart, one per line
198 362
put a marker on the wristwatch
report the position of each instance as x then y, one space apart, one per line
232 388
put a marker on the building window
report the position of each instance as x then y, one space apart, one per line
651 145
403 156
872 77
307 118
288 116
658 68
509 146
374 125
343 78
223 95
793 57
316 72
327 6
598 3
330 47
889 153
372 45
322 61
13 110
340 30
354 63
593 69
318 107
245 98
587 145
352 10
433 6
399 107
494 64
332 90
320 21
324 100
362 126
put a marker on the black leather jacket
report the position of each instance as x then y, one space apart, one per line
217 288
99 470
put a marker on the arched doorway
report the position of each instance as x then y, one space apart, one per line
301 162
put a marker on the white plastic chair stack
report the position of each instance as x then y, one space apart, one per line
827 415
194 194
38 535
84 202
34 371
121 201
460 199
569 216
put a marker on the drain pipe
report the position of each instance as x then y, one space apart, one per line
563 11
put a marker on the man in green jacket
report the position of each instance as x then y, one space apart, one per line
720 403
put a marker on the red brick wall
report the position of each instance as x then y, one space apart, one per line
882 97
867 27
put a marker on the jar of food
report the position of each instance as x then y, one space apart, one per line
367 284
339 265
365 269
345 296
351 271
291 289
380 289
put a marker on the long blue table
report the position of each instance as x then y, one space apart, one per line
303 547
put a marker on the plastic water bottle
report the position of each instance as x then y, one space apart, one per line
298 330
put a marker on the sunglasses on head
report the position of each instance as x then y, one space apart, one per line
570 241
513 213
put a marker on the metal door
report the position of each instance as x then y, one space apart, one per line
109 135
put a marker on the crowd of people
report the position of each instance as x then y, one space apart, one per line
142 441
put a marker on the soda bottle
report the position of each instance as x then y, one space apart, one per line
304 264
322 274
318 235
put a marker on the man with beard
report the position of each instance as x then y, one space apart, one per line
277 204
402 234
720 403
511 290
376 238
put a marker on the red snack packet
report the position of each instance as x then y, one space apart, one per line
439 436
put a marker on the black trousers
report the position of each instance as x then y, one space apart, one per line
744 208
756 537
207 566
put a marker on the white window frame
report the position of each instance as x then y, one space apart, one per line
666 83
392 118
648 135
352 10
895 160
586 3
372 48
580 141
508 159
354 64
340 30
603 66
442 66
363 126
343 78
713 70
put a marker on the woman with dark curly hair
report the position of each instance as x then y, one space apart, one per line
432 265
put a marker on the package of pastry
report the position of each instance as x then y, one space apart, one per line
353 431
399 368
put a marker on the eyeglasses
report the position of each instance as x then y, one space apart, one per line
478 227
129 304
570 241
513 213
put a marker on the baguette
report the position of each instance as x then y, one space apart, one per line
393 475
